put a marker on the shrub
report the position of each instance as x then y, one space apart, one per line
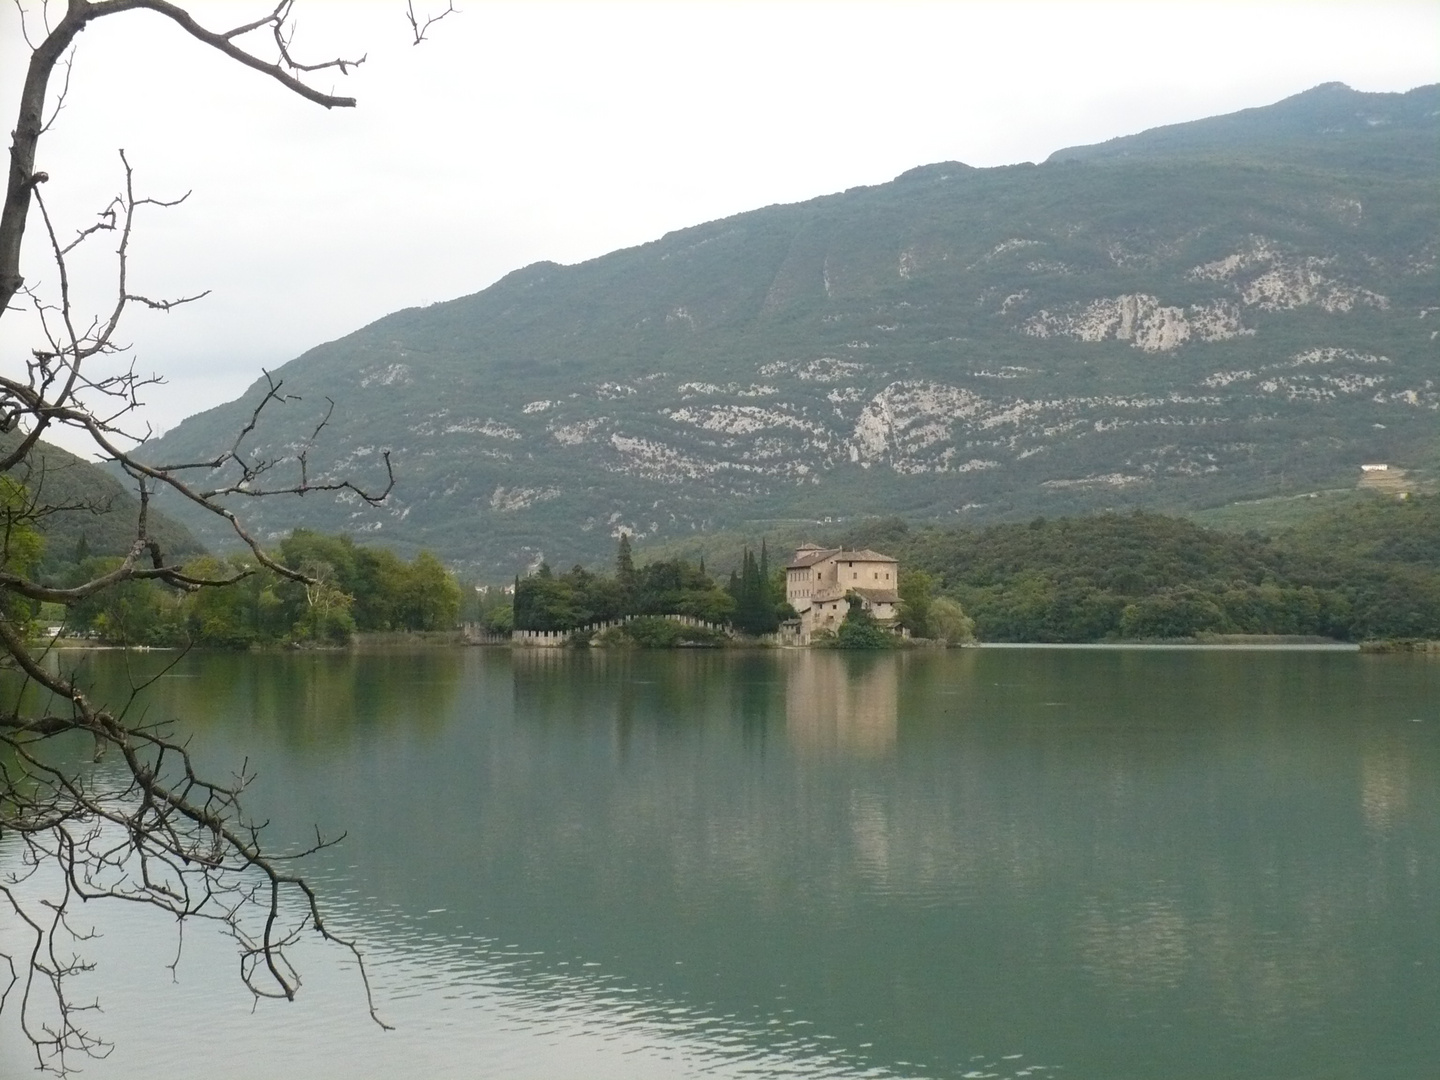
861 631
659 633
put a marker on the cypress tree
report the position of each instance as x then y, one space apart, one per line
749 593
754 614
625 566
768 601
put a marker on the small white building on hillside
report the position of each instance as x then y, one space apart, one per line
819 580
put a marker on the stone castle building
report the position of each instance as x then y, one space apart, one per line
818 582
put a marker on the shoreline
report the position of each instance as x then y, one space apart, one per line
455 639
1183 645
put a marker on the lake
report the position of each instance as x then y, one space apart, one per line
1094 864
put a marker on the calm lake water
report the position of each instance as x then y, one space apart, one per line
1087 864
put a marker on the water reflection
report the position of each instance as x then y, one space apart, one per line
305 699
1130 864
830 702
842 703
1384 782
1138 950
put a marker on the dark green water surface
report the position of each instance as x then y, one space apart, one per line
1090 864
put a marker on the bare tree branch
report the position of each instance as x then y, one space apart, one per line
420 26
44 57
147 827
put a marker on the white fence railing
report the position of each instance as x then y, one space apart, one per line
557 638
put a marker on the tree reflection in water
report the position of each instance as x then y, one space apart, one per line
1133 864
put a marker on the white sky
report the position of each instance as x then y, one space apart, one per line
527 131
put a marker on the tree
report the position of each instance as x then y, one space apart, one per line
168 836
755 607
430 598
325 615
915 589
379 578
625 567
499 619
545 602
859 630
949 623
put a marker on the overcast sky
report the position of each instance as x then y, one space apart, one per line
528 131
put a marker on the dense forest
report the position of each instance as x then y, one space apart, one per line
355 589
1369 570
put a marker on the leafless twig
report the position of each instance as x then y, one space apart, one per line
144 825
420 26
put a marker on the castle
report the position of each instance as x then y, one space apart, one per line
819 581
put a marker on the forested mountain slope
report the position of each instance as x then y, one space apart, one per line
86 510
1228 309
1369 569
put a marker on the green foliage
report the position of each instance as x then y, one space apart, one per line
625 566
385 592
499 620
486 605
1279 512
129 613
88 513
753 591
650 632
1181 614
330 625
949 623
859 630
915 590
249 612
545 601
677 587
20 550
429 598
1375 529
354 589
1366 569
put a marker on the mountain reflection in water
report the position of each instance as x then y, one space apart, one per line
1129 864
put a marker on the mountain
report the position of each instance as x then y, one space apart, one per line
85 501
1328 121
1229 309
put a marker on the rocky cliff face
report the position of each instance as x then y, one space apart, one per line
1166 328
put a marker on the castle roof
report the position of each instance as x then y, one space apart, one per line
878 596
864 555
809 555
832 593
